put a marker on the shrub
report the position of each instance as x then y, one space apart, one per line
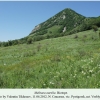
76 36
95 28
50 32
39 37
29 40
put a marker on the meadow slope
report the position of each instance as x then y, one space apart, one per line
66 62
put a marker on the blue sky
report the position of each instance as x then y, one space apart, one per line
17 19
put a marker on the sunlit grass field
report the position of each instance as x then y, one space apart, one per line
66 62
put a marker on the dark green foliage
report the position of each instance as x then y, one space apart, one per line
95 28
9 42
39 37
29 40
76 36
15 42
48 36
42 32
4 44
50 32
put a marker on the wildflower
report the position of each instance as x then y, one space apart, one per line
91 61
83 72
51 83
90 71
44 84
87 76
4 64
74 76
61 78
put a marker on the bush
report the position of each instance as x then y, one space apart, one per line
95 28
39 37
76 36
29 40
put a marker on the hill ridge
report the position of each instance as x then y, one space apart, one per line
57 18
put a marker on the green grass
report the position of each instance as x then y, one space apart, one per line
64 62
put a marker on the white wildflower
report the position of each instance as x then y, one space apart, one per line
51 83
87 76
91 61
61 78
4 64
44 84
74 76
90 71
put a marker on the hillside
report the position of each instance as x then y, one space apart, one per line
71 61
64 23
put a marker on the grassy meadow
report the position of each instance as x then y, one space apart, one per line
66 62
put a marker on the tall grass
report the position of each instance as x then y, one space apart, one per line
63 62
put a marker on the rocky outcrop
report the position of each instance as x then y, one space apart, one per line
64 29
36 28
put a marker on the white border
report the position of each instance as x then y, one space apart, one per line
50 94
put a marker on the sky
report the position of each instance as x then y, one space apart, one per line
18 18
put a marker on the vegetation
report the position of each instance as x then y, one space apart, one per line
53 27
95 28
64 62
71 61
29 40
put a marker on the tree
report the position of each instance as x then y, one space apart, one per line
29 40
95 28
9 42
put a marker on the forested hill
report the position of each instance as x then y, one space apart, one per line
64 23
